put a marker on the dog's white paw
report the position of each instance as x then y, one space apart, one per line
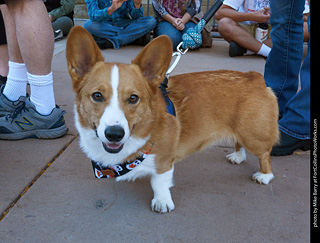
237 157
262 178
162 206
161 183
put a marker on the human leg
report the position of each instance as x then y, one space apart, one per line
296 118
4 68
165 28
233 31
133 29
34 34
294 106
37 116
35 40
17 73
103 30
283 64
17 76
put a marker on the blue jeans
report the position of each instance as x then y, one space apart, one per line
284 65
165 28
122 32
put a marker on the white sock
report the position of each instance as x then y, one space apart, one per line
42 95
248 53
264 50
16 85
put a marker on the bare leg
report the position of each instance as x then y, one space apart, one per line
4 60
268 42
35 41
13 47
30 55
17 73
34 35
232 31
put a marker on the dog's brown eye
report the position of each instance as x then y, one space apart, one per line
133 99
97 96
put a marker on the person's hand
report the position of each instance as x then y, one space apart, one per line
178 24
137 3
51 19
261 16
117 4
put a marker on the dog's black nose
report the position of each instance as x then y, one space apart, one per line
114 133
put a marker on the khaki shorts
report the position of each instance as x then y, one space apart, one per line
252 29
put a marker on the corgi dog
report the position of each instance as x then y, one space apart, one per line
123 123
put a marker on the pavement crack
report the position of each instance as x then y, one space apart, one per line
13 203
115 196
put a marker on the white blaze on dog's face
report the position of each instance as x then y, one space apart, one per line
113 129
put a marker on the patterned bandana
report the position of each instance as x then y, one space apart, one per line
119 169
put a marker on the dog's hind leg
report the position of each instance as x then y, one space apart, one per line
265 174
238 156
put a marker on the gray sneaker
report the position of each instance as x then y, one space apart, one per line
26 122
7 106
58 35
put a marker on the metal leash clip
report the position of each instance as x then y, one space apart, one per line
178 55
174 64
180 49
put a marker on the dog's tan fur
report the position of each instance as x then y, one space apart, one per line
210 106
225 104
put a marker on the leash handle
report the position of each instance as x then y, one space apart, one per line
193 38
214 8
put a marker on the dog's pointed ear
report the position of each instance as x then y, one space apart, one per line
82 54
154 59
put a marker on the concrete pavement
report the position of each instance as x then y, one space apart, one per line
48 192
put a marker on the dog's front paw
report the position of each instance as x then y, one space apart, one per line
262 178
162 206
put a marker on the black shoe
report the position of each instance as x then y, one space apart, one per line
236 50
3 80
289 144
142 41
103 43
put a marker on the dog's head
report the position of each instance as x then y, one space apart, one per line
116 102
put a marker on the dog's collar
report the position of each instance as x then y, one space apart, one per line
119 169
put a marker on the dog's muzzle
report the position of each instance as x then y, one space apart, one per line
114 134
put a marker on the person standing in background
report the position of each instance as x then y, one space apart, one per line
282 71
30 45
